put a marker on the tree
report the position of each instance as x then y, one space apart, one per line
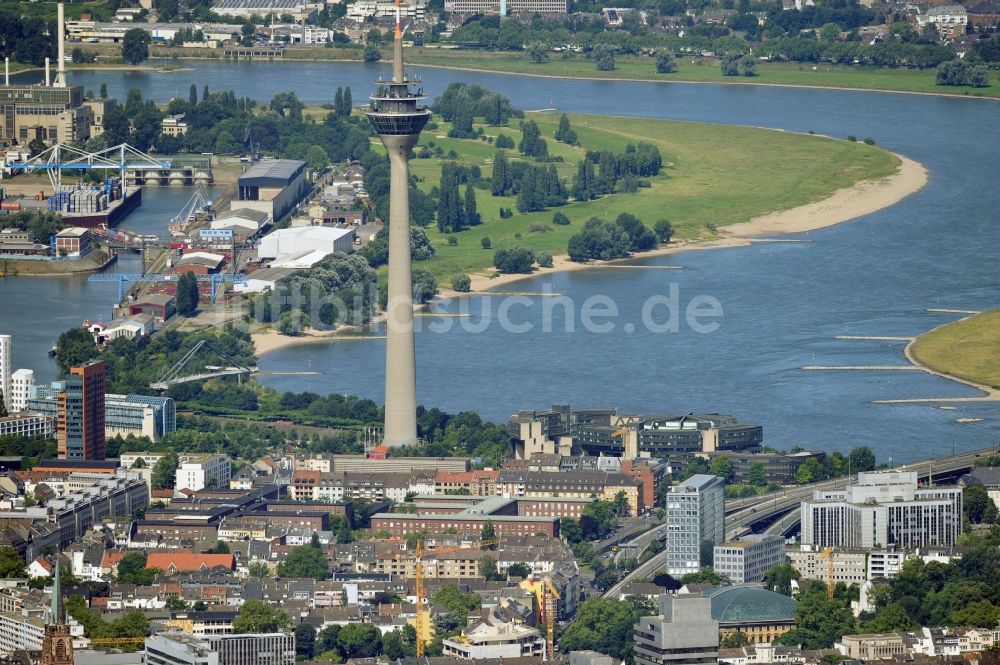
372 53
605 625
132 570
164 471
521 570
135 46
705 576
11 564
722 466
305 640
499 181
348 102
187 292
75 347
820 620
305 561
488 569
664 231
757 474
3 406
779 578
604 58
360 640
485 243
104 91
514 260
257 616
193 95
665 63
326 640
734 640
598 520
810 471
861 459
544 259
532 144
565 133
504 141
488 532
392 646
259 570
559 219
461 283
892 618
975 500
472 217
538 53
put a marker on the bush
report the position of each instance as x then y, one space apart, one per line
485 242
852 138
664 230
514 260
461 283
452 241
869 140
506 213
544 259
539 227
372 53
560 219
504 141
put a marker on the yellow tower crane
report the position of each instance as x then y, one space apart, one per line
547 598
828 555
423 619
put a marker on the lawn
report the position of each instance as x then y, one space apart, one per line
968 349
699 69
713 175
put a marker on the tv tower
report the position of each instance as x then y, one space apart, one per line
397 117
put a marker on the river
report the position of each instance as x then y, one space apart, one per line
784 303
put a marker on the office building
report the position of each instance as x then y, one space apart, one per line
139 415
882 509
80 415
696 513
177 648
683 632
5 365
748 560
22 382
847 565
507 7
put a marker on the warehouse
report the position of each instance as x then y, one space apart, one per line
304 246
272 186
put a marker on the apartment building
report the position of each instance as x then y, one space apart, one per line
573 484
22 383
198 471
27 424
175 648
683 632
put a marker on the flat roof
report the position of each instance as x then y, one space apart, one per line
272 172
464 516
160 299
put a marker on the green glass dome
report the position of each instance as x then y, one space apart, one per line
749 604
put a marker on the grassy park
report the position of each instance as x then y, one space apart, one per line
703 70
713 175
968 349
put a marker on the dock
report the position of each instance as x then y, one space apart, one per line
876 338
864 368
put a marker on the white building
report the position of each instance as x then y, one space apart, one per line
849 565
495 640
28 424
22 382
177 648
696 512
683 632
260 281
748 560
5 365
288 248
361 11
196 472
883 509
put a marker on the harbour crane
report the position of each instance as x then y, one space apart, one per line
423 618
828 555
215 279
61 157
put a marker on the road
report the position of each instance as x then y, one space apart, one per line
743 514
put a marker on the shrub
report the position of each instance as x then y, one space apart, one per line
514 260
485 242
560 219
544 259
461 283
869 140
539 227
452 241
852 138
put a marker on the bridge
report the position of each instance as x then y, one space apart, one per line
779 510
173 376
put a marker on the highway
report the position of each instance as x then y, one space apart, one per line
743 514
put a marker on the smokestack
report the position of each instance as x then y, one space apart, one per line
60 81
46 72
6 71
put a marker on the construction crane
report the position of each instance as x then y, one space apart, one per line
423 619
547 598
215 279
828 555
630 441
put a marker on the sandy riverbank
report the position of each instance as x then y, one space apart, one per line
989 392
861 199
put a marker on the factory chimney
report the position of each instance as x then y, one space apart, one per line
60 81
46 84
6 71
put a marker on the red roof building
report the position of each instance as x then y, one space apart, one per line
185 561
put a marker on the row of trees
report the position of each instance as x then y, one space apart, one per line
601 239
600 172
455 212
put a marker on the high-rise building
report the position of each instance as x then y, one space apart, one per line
80 413
398 118
884 508
684 632
696 513
22 383
5 363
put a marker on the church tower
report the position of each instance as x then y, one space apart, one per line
57 644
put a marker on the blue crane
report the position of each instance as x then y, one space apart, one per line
122 277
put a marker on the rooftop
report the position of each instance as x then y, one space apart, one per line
749 604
